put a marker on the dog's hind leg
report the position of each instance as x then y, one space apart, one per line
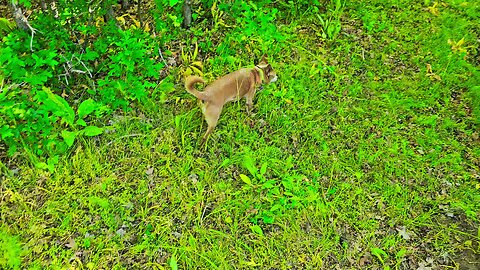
212 113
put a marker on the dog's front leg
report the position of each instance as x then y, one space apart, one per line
249 97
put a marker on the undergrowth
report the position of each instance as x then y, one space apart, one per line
364 154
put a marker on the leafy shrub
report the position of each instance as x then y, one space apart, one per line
255 28
122 81
60 82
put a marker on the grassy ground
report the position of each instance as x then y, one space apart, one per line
365 154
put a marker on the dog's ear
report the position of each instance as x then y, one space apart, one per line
264 59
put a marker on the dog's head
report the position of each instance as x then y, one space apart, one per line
269 74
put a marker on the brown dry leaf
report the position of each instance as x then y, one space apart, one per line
429 68
121 232
430 73
422 266
402 231
149 171
193 177
71 243
363 261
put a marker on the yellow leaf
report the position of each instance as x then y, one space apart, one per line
197 64
251 263
188 72
434 10
195 53
121 20
184 56
147 28
458 46
137 23
99 21
196 70
429 69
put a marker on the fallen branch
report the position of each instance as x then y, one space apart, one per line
22 21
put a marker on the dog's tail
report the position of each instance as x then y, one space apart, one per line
189 85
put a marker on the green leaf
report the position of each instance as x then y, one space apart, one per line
6 132
338 5
263 169
86 108
173 262
6 26
173 2
41 165
268 218
401 253
245 179
59 106
102 202
257 229
81 122
51 162
69 137
379 253
249 163
225 163
178 120
92 131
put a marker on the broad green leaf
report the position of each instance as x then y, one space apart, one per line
59 106
26 3
257 229
173 2
245 179
86 108
178 118
81 122
92 131
41 165
268 218
69 137
173 262
102 202
6 132
249 163
51 162
263 169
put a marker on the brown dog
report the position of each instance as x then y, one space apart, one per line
230 87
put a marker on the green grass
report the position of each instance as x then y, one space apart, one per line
355 158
